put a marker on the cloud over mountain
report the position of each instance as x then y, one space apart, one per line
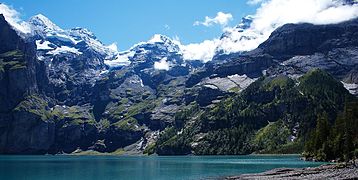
220 18
13 17
270 15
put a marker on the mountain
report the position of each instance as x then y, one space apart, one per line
159 53
282 84
271 106
51 39
86 96
294 49
71 93
155 49
75 53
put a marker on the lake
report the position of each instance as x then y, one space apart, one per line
140 167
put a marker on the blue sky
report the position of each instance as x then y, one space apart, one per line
130 21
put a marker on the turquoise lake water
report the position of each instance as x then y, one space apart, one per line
139 167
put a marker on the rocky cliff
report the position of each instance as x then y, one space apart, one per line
25 128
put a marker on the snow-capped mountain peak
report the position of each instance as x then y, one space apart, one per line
159 38
158 47
42 22
51 39
163 42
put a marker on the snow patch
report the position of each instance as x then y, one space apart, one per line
44 45
157 38
113 47
121 59
211 86
64 49
352 88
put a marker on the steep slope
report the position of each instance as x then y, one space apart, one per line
25 126
229 127
290 52
75 59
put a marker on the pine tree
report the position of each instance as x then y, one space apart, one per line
322 131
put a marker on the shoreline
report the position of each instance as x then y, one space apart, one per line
124 153
326 171
120 152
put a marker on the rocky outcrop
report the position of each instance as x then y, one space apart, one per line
28 129
306 39
298 48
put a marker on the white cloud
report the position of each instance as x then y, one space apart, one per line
162 65
13 18
271 15
275 13
200 51
221 18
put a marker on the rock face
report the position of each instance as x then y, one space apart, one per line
74 59
25 128
294 49
32 129
301 47
307 39
18 67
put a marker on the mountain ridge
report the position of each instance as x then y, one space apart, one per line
78 103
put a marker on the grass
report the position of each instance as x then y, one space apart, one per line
35 105
130 124
104 124
12 60
235 89
150 149
280 81
74 115
14 53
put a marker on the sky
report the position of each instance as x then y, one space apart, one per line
195 25
127 22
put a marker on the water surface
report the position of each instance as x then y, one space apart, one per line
139 167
